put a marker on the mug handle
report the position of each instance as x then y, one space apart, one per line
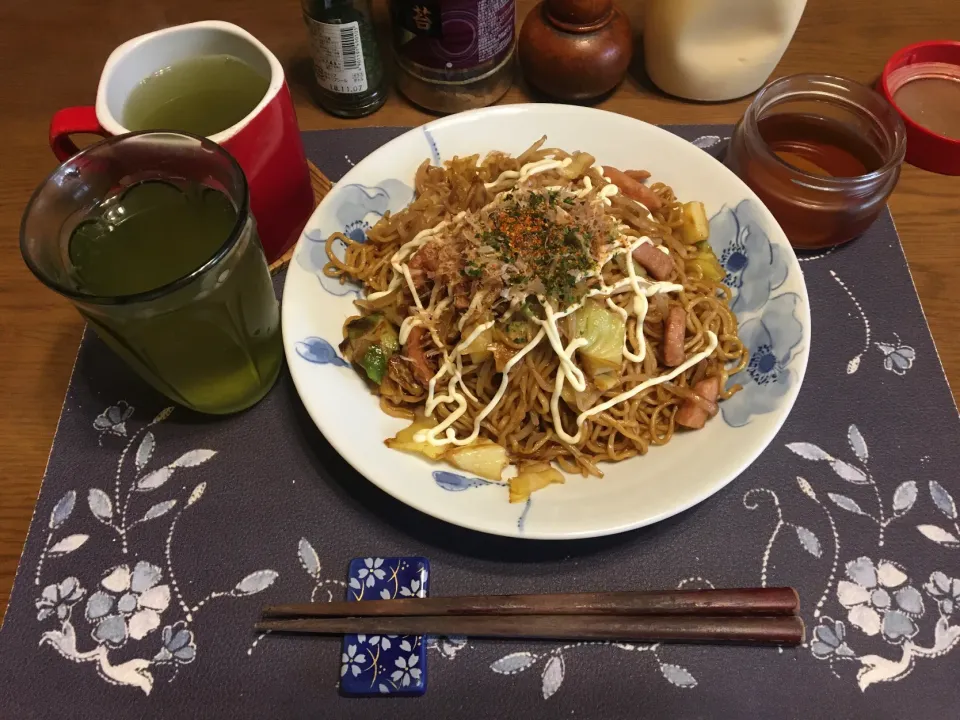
69 121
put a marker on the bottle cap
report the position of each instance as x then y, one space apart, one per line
922 82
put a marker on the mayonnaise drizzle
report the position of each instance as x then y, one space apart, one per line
431 435
528 170
568 371
473 306
624 396
408 324
607 192
404 251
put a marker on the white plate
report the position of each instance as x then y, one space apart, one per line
771 304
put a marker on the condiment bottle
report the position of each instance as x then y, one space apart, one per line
716 49
822 152
346 58
575 50
453 55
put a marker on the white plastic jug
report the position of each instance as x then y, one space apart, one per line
716 49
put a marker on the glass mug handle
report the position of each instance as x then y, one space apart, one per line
70 121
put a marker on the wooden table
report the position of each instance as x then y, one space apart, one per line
49 62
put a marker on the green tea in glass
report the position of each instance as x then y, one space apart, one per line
151 236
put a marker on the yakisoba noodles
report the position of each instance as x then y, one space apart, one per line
539 310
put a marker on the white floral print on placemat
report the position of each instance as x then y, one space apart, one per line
310 562
708 142
879 598
137 595
555 661
897 357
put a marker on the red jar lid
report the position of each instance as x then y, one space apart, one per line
922 82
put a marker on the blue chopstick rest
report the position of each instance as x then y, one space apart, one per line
385 664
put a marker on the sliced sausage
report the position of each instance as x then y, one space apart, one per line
632 188
654 261
638 175
674 329
691 415
426 258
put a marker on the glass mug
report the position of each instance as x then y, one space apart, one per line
186 299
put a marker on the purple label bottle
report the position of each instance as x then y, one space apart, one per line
454 55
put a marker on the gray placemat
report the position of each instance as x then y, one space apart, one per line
852 504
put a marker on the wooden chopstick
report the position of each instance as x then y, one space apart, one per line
738 602
777 630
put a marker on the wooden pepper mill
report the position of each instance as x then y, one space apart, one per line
575 50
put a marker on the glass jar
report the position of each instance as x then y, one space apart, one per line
822 152
185 298
453 55
346 56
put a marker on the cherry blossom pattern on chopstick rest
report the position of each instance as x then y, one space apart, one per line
385 664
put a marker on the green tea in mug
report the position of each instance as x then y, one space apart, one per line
203 95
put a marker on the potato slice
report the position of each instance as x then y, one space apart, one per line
532 478
695 226
405 439
483 457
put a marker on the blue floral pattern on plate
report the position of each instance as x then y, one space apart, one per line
770 325
358 209
385 664
773 339
755 266
320 352
455 482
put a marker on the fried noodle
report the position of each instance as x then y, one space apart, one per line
489 313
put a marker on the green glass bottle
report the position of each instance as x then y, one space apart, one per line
346 57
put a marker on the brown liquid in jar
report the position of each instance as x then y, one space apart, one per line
822 147
819 145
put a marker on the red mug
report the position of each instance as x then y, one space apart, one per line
266 142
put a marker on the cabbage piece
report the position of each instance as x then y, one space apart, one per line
374 361
481 457
581 401
706 261
532 478
696 227
370 343
405 439
605 332
480 347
